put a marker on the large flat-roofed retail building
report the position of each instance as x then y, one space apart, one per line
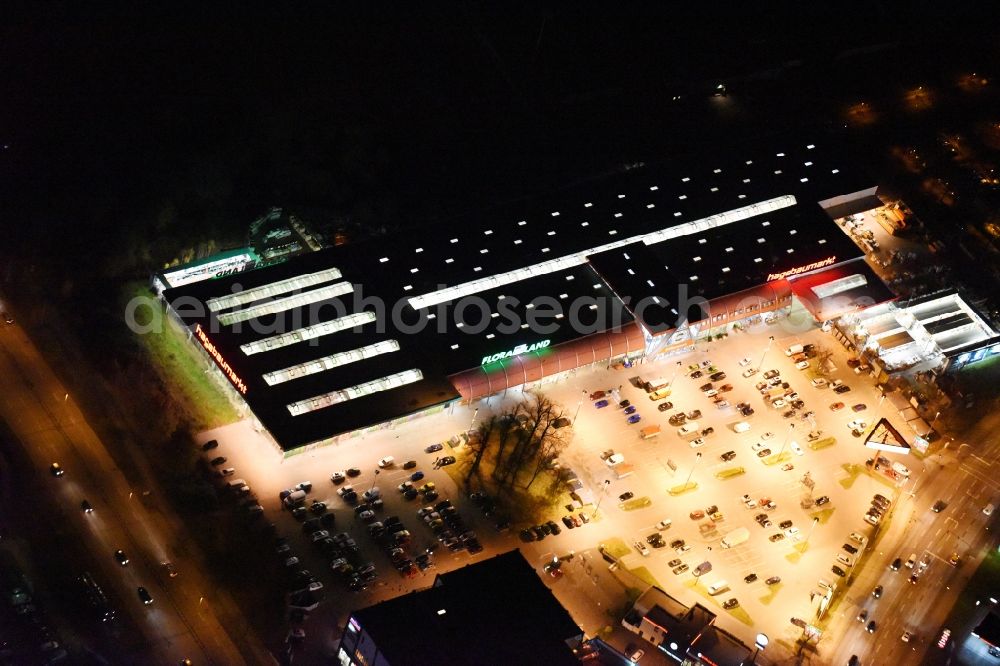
333 343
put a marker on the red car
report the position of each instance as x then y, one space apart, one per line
836 407
597 395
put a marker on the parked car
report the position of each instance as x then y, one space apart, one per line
625 496
601 404
860 407
433 448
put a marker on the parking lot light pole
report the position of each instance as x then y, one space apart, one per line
375 480
770 339
676 372
697 459
788 436
809 536
607 482
578 405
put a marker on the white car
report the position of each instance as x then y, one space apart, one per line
767 436
388 461
749 372
741 426
664 524
857 424
819 383
745 362
778 404
802 365
792 532
796 448
697 443
758 446
722 404
749 502
711 393
871 519
641 547
859 538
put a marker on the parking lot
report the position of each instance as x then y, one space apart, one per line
801 557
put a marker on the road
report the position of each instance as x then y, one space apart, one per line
49 425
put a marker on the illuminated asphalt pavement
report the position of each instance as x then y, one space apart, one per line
180 623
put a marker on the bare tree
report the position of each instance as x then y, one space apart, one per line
540 414
551 447
484 437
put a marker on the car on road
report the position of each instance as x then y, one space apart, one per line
641 548
8 318
121 558
773 580
85 506
433 448
56 469
144 595
914 578
728 455
221 460
906 637
871 627
877 592
939 506
863 615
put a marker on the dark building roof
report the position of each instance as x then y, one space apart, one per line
495 612
719 648
989 629
331 341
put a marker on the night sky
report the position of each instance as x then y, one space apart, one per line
133 136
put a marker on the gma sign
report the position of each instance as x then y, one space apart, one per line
516 351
